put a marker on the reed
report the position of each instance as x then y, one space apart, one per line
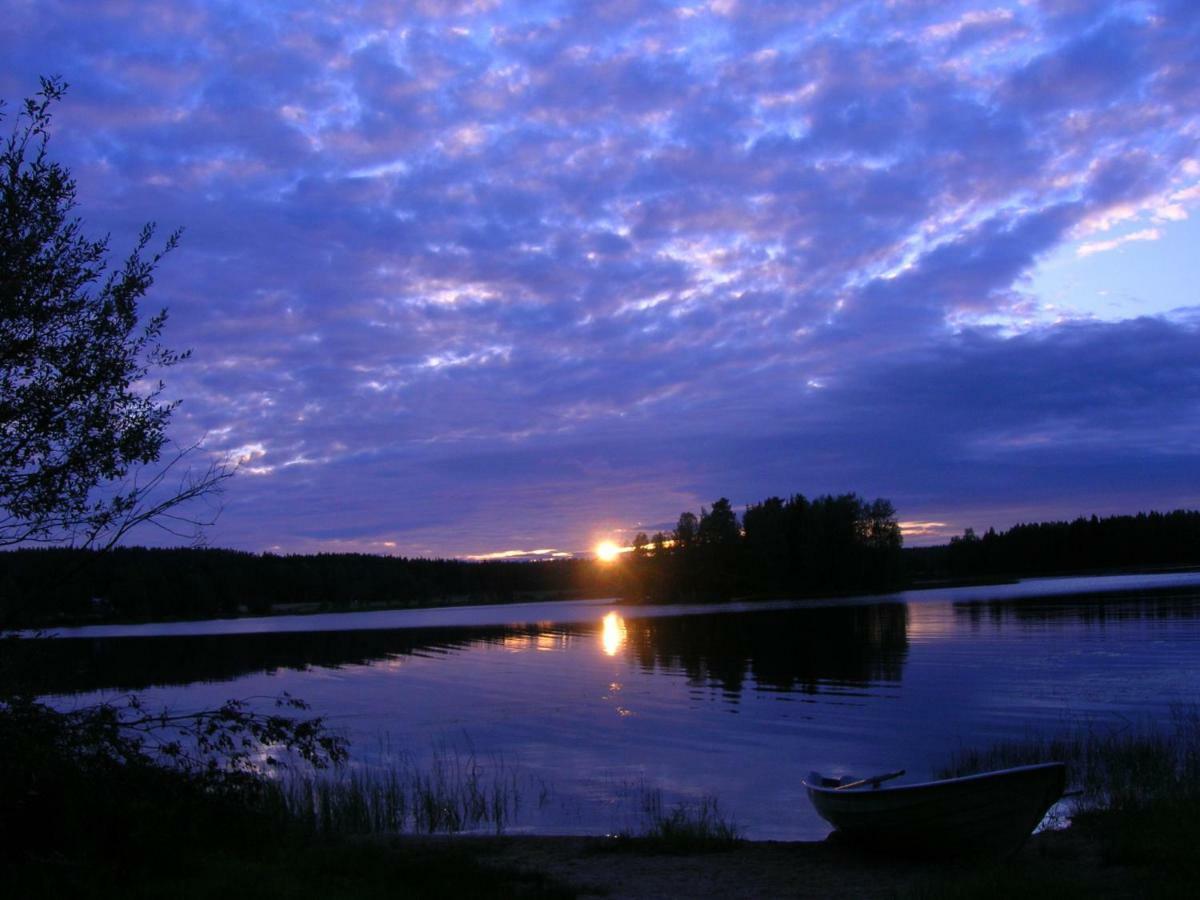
455 792
1137 808
1111 768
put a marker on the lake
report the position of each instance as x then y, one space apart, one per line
591 705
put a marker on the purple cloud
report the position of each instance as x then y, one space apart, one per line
461 278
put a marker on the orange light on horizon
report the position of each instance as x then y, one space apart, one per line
607 551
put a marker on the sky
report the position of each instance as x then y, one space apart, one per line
466 278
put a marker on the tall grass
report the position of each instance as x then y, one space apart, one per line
1110 768
455 792
1138 796
694 826
687 827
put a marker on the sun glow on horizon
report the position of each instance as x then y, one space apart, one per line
607 551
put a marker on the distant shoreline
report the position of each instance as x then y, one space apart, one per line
918 584
795 549
297 613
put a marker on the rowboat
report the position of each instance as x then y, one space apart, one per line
991 813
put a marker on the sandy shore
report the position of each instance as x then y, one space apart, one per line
767 869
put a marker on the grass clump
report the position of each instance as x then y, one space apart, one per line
697 827
456 792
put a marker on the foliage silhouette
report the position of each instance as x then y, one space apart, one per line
796 547
46 586
82 463
81 441
1145 540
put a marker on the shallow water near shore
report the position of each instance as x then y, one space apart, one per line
593 705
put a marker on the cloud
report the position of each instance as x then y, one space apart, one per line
1146 234
473 276
521 555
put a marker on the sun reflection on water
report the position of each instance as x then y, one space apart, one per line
613 634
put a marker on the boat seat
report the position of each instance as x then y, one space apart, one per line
818 780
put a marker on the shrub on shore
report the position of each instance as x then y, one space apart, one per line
90 808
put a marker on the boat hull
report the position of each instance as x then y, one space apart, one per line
988 814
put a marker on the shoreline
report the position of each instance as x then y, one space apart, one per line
311 611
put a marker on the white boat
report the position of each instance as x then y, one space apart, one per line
991 813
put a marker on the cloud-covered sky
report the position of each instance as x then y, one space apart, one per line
467 277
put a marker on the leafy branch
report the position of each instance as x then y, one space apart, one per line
226 748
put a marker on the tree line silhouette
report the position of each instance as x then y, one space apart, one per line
41 586
789 547
779 548
1145 540
793 546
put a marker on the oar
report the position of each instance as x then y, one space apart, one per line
874 780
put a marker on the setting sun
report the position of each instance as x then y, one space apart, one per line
607 551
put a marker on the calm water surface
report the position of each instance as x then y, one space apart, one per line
596 702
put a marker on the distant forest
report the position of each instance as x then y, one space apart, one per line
793 546
1146 540
778 548
130 583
